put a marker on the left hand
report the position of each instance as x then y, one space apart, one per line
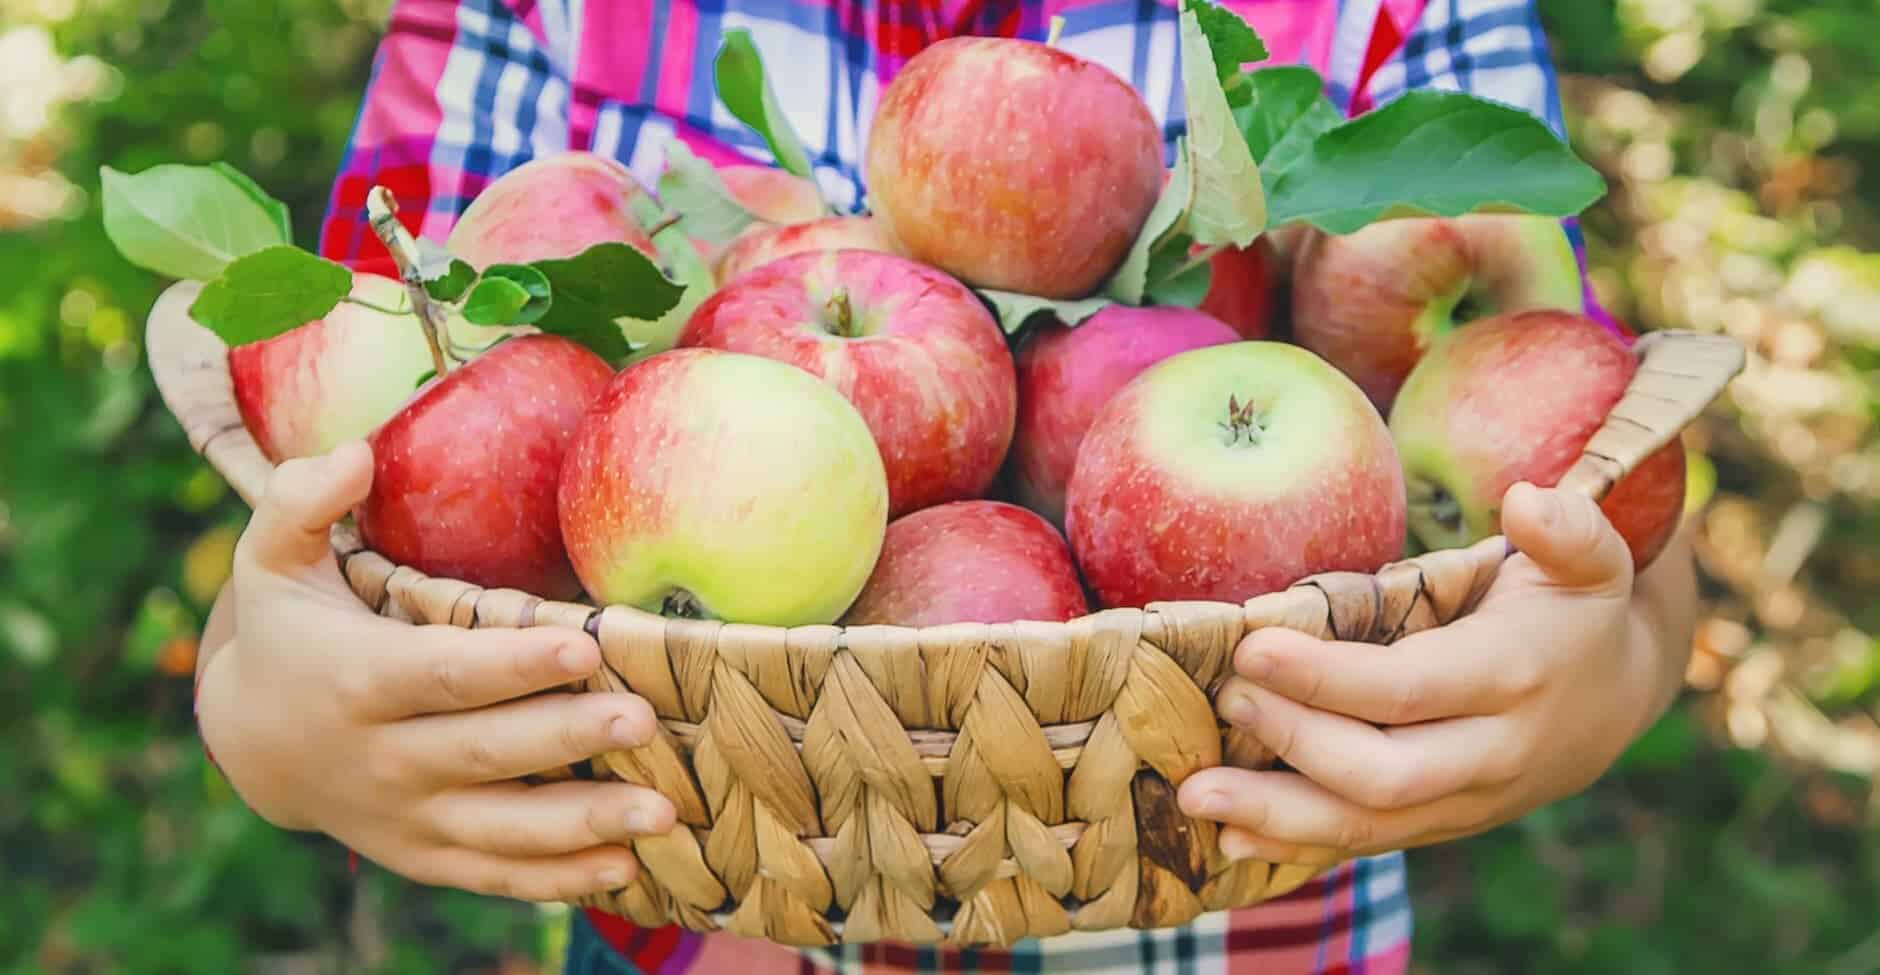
1454 730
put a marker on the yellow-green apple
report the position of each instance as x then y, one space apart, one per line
916 352
765 243
970 562
716 484
1515 398
1013 165
772 194
551 207
1372 301
1229 471
1241 282
334 379
464 477
1066 375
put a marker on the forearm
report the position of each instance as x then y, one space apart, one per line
1661 624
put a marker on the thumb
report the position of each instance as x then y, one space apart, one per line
306 496
1567 535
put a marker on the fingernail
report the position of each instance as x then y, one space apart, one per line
1235 846
1237 709
1211 804
613 877
624 733
641 820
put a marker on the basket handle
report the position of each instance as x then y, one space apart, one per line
190 365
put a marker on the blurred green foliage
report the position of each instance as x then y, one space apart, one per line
1739 835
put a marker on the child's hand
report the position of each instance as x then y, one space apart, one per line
401 741
1524 701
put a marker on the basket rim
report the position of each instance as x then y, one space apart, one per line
190 366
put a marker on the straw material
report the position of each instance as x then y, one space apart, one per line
970 783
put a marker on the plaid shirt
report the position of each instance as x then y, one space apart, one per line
464 90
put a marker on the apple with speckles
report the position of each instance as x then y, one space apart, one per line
1066 375
1372 301
551 207
760 245
465 476
713 484
1516 398
773 194
1229 471
970 562
916 351
1013 165
1242 282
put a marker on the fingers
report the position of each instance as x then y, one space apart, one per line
1287 808
306 496
508 741
443 669
1568 537
1407 682
1379 769
1238 844
541 879
519 820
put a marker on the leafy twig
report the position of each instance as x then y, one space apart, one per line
382 211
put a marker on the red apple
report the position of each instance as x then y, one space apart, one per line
774 195
1241 282
1226 472
1066 375
465 476
714 484
1371 302
970 562
764 243
551 207
1515 398
915 351
1012 165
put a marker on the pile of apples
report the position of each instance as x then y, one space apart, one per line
842 431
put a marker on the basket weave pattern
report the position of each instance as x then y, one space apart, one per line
970 783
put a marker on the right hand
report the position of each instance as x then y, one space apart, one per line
404 742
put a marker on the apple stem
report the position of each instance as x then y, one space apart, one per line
1243 423
664 223
1057 28
844 314
682 604
382 211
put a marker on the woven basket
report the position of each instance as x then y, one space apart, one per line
969 784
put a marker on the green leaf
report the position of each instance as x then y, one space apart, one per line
1229 203
742 85
1435 153
1173 281
1231 40
683 264
1287 111
593 289
495 301
538 294
1131 278
424 377
186 222
693 188
1015 310
269 292
445 277
275 208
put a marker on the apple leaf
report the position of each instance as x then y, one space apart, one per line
185 222
1229 203
1128 282
693 188
1287 111
683 264
273 290
1231 41
743 86
1014 310
592 290
508 294
1175 281
1433 153
275 208
446 278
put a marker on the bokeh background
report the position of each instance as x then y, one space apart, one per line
1738 836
